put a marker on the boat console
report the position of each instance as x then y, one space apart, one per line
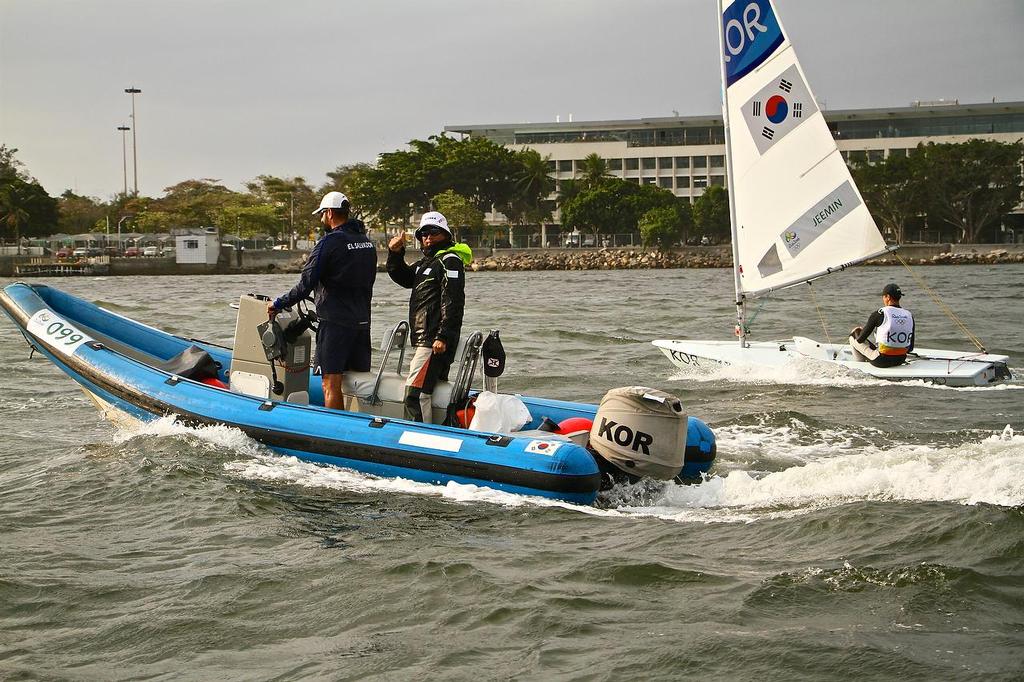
273 361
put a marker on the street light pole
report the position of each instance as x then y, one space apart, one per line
124 155
119 243
135 149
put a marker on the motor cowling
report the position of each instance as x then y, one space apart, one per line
641 431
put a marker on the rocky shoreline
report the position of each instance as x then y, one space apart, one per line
642 259
629 258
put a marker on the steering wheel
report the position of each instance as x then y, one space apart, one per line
307 312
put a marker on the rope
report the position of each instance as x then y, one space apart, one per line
749 321
942 306
820 315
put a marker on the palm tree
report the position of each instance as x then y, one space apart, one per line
13 211
533 185
593 170
534 182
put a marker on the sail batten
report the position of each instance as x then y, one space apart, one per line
797 212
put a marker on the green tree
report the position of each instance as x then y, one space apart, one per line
26 210
460 211
77 214
711 214
533 184
340 179
972 184
293 200
601 209
189 203
664 226
10 167
894 190
246 218
397 186
614 205
593 170
347 180
477 168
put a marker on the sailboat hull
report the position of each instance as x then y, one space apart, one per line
945 367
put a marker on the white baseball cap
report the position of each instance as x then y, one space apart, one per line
331 200
433 219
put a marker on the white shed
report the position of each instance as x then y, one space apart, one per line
199 245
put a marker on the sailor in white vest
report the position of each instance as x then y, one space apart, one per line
893 328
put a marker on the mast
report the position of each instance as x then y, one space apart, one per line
741 302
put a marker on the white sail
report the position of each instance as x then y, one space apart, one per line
797 212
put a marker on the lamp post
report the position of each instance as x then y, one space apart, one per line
124 155
119 243
135 149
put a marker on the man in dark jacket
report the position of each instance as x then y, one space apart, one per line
436 306
339 273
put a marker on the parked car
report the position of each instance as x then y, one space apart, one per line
133 252
65 252
80 252
575 239
168 252
151 251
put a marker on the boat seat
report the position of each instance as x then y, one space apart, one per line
357 387
391 394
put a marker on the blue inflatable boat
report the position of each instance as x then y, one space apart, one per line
134 370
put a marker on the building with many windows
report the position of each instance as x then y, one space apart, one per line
686 154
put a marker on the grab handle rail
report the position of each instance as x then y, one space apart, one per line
396 337
464 377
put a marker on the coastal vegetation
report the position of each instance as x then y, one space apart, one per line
966 189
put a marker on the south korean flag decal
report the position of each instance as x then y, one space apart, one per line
778 108
543 447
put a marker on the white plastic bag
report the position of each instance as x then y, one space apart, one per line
499 413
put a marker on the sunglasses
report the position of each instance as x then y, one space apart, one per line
431 231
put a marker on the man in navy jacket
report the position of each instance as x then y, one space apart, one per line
339 274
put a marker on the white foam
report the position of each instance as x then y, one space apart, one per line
799 371
216 436
990 471
291 470
794 441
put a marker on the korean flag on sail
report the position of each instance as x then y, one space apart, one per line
778 108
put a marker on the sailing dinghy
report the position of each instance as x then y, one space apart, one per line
795 210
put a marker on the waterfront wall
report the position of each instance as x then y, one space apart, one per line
627 258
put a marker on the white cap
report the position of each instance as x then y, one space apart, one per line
331 200
433 219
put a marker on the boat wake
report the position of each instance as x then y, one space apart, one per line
797 371
808 372
989 470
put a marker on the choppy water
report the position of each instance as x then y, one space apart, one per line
851 527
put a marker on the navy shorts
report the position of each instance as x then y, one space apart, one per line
342 349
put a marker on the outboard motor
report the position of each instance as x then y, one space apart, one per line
271 358
639 432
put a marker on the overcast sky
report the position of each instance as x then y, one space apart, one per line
232 89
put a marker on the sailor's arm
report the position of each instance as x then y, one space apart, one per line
873 321
398 270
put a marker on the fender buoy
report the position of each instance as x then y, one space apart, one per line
574 424
213 381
